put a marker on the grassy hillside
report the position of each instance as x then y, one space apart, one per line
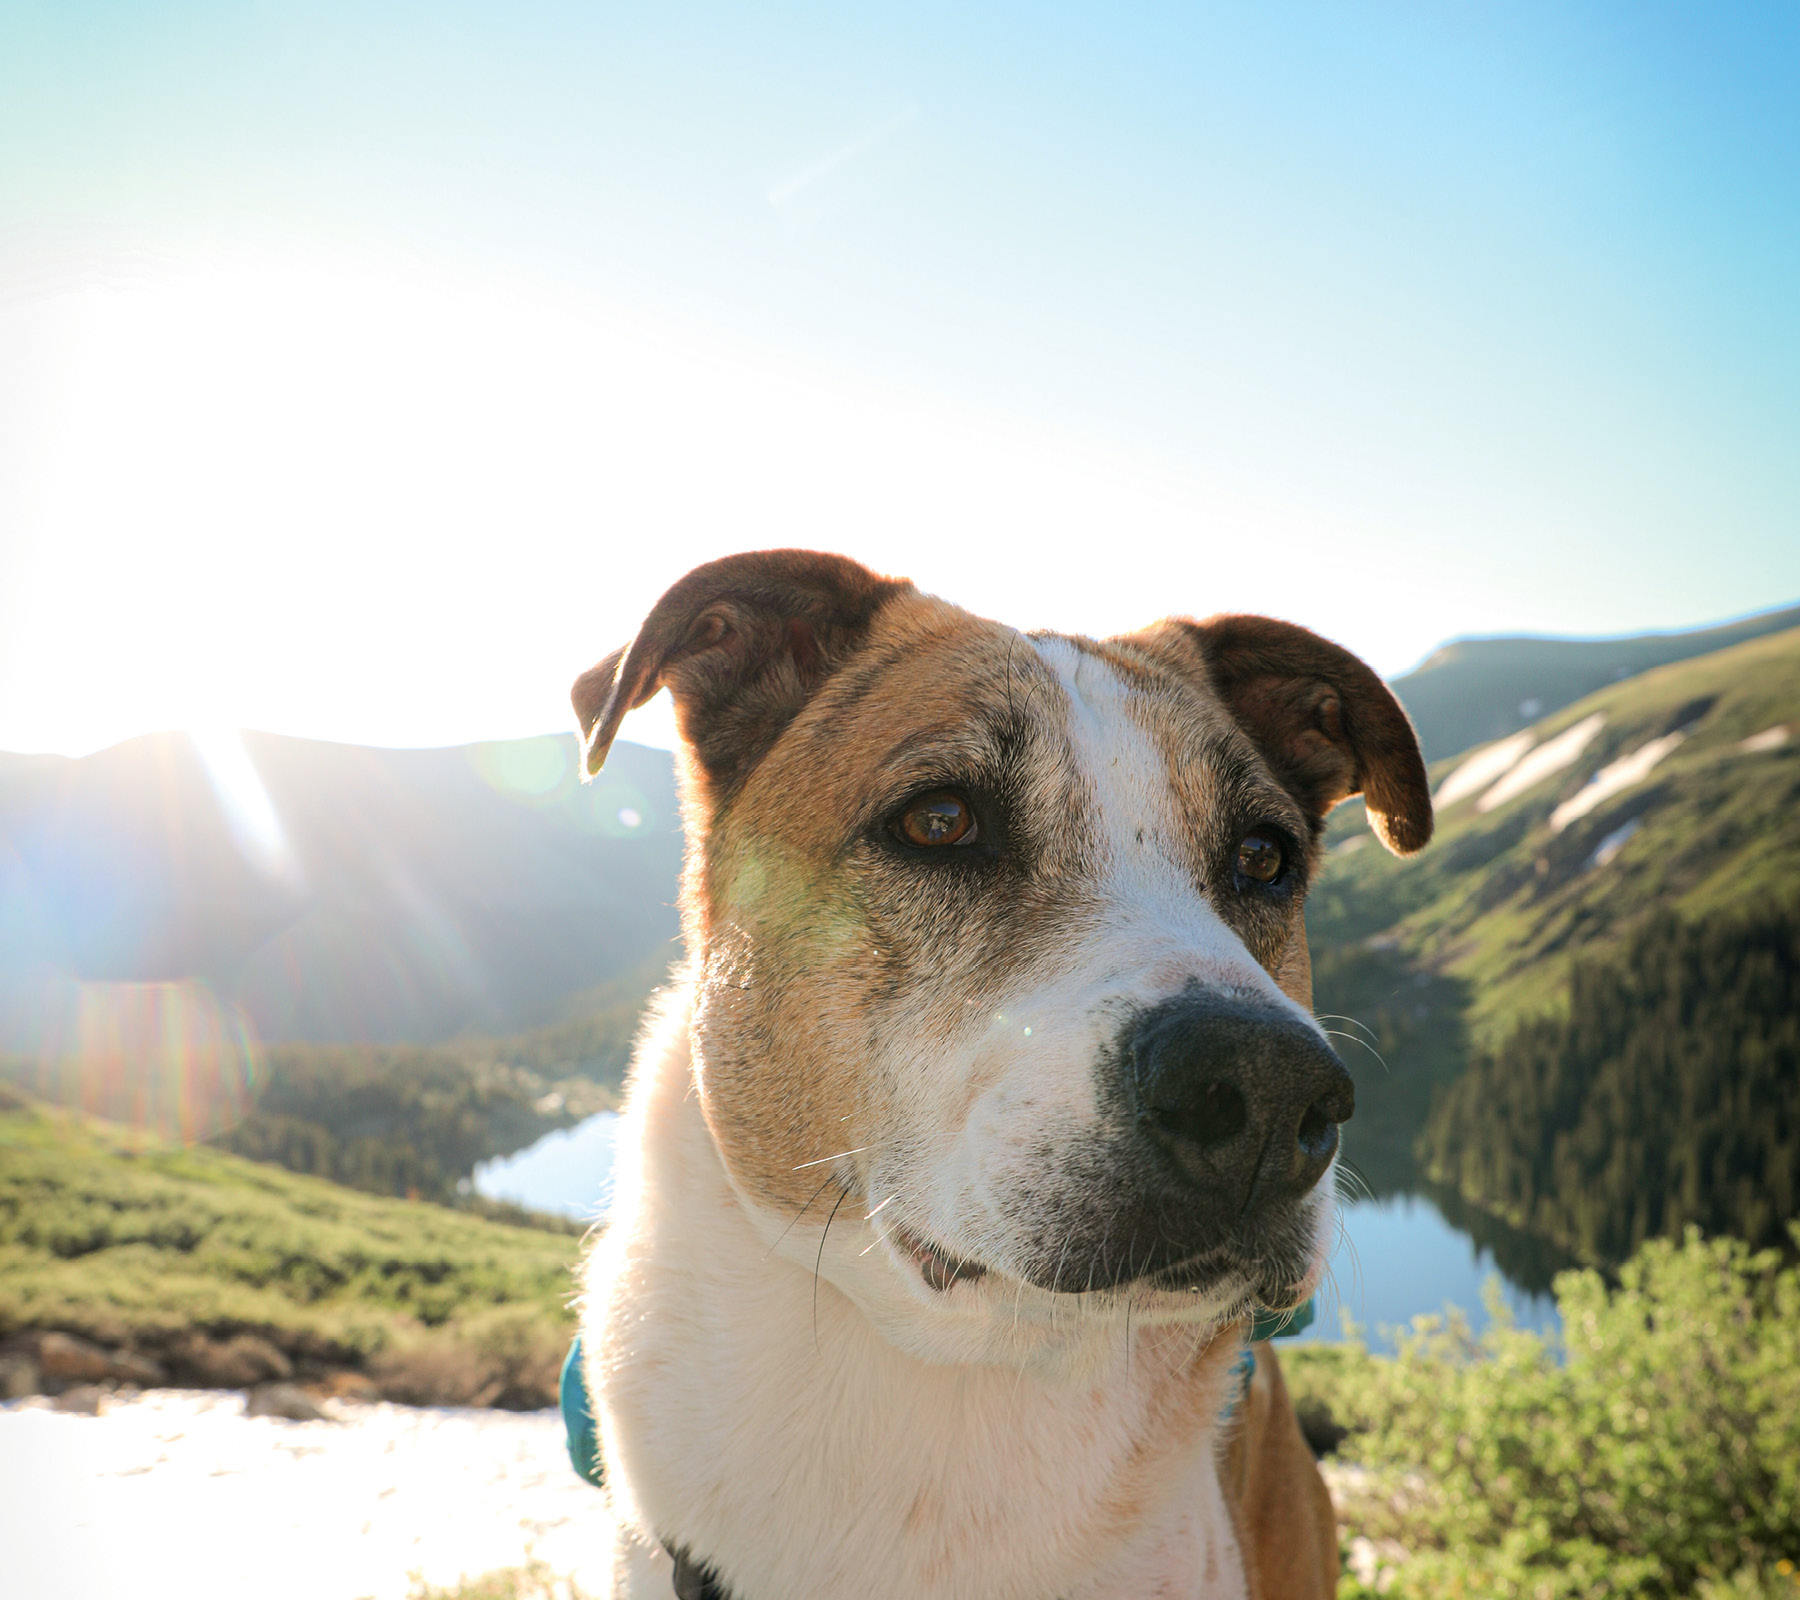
1442 956
175 1253
1473 690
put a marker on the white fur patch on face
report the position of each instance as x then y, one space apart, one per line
1004 1162
1147 890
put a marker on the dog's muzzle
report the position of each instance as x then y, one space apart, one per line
1225 1116
1242 1101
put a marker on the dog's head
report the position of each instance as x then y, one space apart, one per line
998 939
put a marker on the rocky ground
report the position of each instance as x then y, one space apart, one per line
165 1494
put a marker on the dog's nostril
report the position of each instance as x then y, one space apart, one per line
1213 1115
1318 1132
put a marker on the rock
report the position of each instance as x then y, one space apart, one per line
234 1363
63 1358
283 1400
346 1385
62 1355
129 1367
19 1376
85 1399
1375 1562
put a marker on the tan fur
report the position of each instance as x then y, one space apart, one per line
768 907
1286 1524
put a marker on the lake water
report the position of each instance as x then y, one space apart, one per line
1403 1258
568 1172
1403 1255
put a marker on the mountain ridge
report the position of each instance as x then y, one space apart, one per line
337 893
329 892
1473 691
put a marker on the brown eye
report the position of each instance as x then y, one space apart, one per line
934 819
1261 857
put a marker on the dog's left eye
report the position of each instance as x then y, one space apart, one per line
941 818
1261 857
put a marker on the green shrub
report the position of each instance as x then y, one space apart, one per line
1655 1452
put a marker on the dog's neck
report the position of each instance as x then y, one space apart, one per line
753 1416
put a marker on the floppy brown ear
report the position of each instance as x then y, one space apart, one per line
741 642
1325 723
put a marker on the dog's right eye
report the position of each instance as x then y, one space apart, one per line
1260 857
940 818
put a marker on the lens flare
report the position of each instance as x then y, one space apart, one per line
169 1059
617 809
537 771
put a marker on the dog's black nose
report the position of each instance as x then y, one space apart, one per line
1241 1098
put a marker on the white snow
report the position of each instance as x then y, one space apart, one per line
1769 739
1614 778
1487 765
1608 848
177 1495
1548 758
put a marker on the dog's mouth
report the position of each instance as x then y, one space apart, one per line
936 1266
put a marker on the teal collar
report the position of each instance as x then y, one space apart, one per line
1279 1324
1263 1325
578 1418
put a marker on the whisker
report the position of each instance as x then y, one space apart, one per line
1062 1257
838 1157
819 1261
1351 1038
1356 1273
798 1215
1351 1180
879 1235
1204 1334
1355 1022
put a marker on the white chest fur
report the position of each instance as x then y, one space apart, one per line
754 1415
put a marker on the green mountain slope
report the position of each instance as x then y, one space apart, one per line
1473 690
1668 1095
1675 794
173 1253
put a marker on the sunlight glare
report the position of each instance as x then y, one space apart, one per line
386 506
249 811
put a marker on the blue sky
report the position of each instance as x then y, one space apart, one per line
448 335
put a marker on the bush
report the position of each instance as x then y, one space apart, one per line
1655 1452
509 1356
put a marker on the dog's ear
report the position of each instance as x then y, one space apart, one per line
741 643
1325 723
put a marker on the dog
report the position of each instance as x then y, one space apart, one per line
989 1105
